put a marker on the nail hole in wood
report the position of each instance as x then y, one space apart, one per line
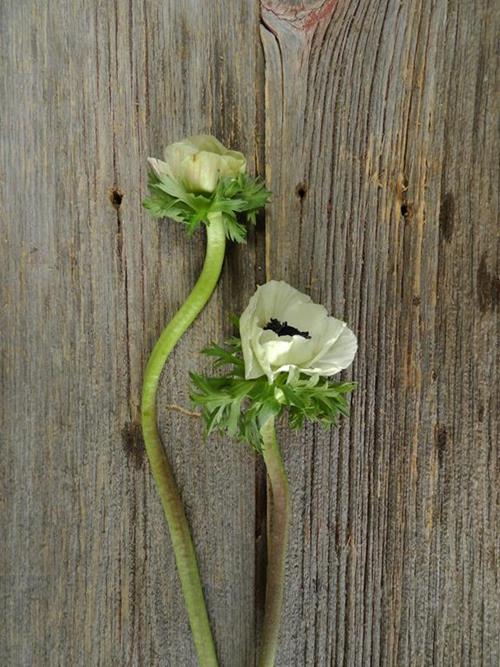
301 190
115 197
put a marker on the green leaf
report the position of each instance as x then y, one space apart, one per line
242 196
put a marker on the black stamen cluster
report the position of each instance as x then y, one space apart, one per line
284 329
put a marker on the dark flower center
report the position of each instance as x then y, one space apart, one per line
284 329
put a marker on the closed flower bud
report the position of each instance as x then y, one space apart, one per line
198 163
283 330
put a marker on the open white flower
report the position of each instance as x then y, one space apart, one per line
282 329
198 163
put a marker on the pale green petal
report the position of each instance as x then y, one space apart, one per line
205 142
160 168
175 154
199 162
236 162
200 172
232 164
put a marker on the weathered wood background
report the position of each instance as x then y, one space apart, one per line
374 124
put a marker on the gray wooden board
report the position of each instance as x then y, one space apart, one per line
374 124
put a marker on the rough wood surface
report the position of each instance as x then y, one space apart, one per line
382 154
377 123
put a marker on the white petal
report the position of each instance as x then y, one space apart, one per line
253 369
340 355
296 352
277 351
274 298
330 348
247 327
306 316
332 330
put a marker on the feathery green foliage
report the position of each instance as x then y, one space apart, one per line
233 196
241 407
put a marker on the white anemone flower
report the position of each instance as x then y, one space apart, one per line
283 330
198 163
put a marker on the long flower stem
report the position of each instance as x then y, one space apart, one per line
279 520
182 542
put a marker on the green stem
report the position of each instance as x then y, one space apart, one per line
279 520
182 542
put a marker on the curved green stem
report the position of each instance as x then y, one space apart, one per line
182 542
279 520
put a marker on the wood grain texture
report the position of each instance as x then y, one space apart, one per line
382 153
380 149
89 91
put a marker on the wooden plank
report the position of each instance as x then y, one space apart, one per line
382 154
89 91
